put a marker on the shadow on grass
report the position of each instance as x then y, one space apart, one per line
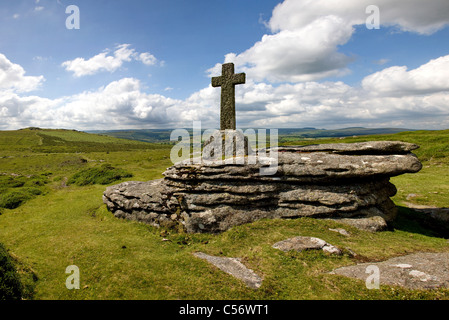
413 221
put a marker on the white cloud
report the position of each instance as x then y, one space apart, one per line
12 77
298 55
147 58
106 62
409 15
19 112
306 35
430 77
39 8
16 16
124 103
393 97
120 102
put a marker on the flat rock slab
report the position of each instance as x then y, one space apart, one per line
306 243
415 271
372 147
234 267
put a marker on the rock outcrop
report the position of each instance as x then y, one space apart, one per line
414 271
306 243
235 268
336 181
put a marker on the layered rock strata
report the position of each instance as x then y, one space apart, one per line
337 181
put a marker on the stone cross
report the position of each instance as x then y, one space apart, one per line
227 82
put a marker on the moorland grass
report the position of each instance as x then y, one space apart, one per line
120 259
104 174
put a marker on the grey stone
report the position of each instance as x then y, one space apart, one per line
372 147
331 249
295 167
306 243
234 267
300 244
340 231
414 271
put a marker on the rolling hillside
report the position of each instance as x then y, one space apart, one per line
48 223
285 135
57 141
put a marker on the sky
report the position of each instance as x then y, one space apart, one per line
147 64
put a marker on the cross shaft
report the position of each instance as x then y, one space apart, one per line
227 81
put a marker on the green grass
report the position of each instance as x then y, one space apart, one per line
118 259
104 174
66 141
121 259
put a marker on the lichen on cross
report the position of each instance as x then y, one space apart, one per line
227 81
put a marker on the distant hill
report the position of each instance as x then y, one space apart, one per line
146 135
285 134
60 140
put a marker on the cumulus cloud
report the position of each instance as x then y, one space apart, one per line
306 35
147 58
12 77
124 103
397 80
336 105
298 55
106 62
408 15
120 104
18 112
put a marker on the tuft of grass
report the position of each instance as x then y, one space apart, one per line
10 286
99 175
13 199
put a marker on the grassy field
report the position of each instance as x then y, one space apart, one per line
59 224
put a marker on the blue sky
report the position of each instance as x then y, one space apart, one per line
189 36
147 64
